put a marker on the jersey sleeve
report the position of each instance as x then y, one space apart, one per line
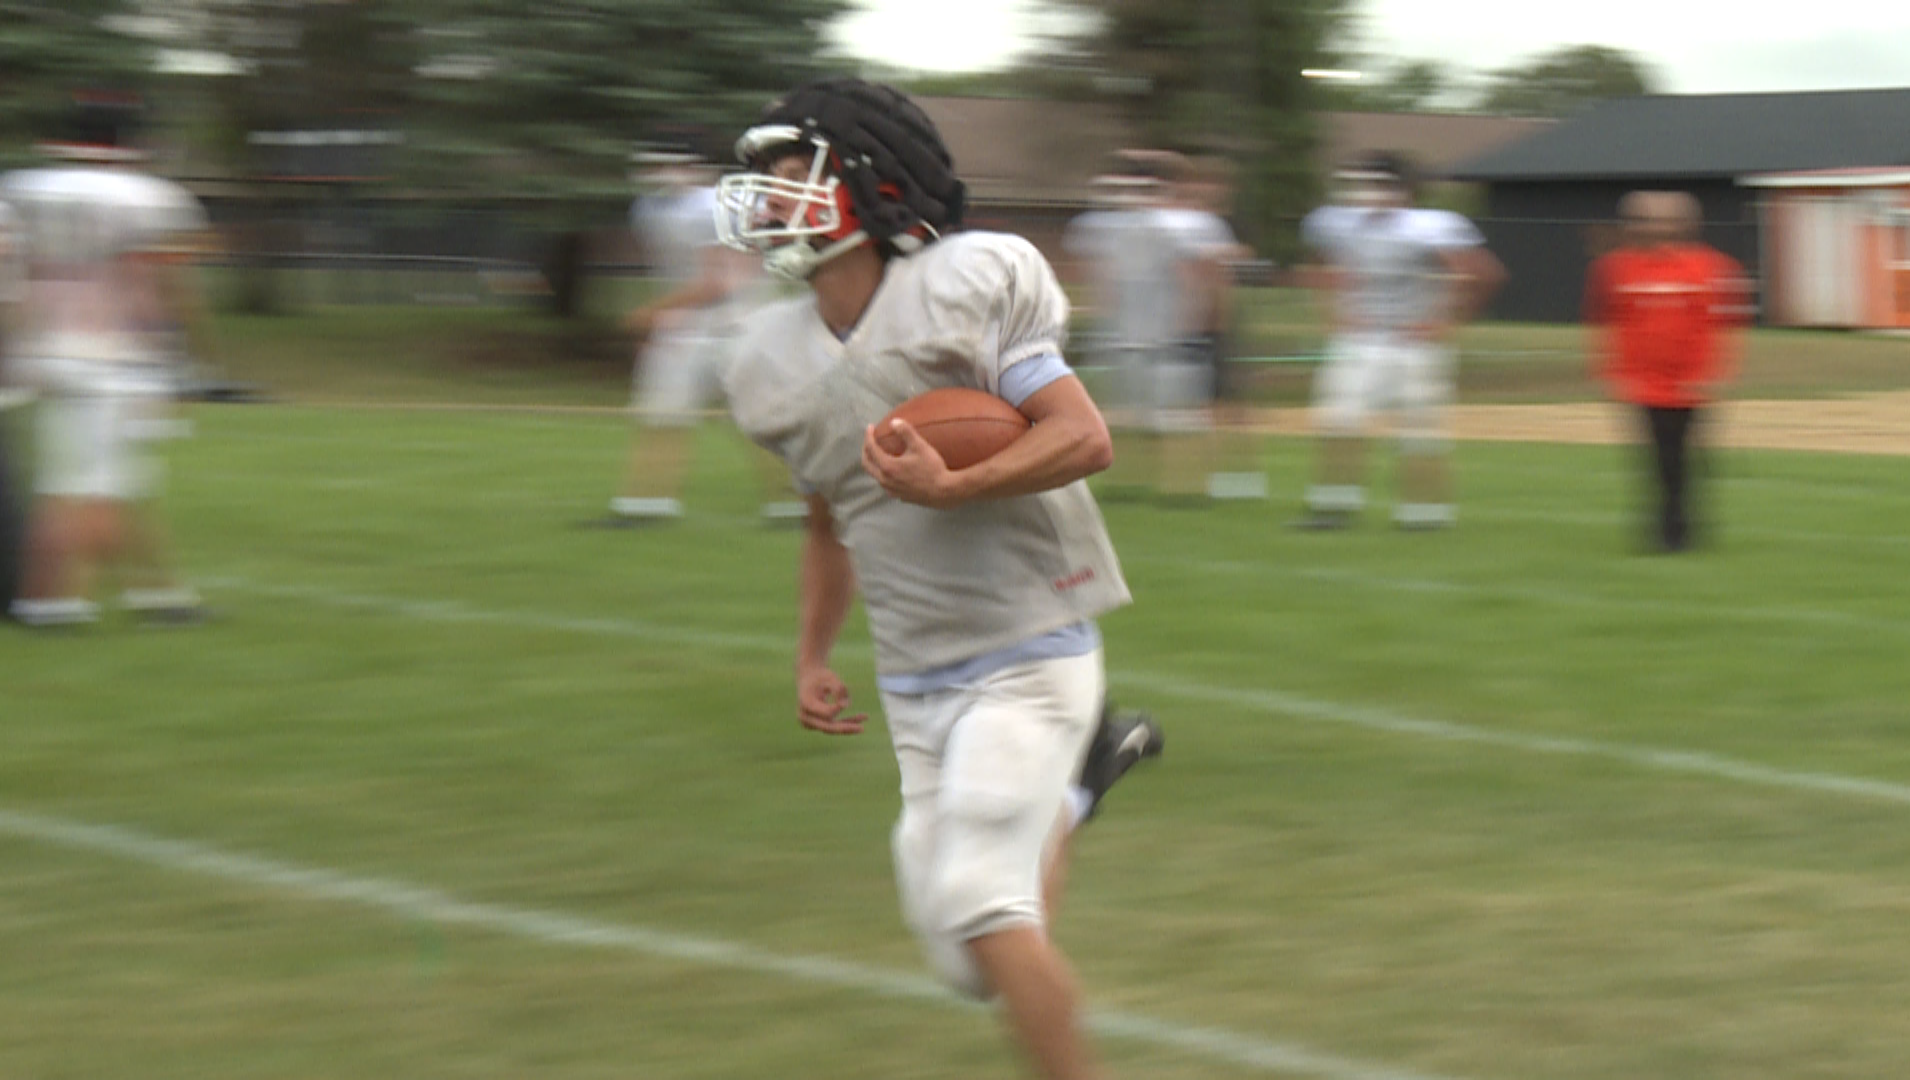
170 223
1030 316
1321 230
1733 295
1444 230
999 294
1208 235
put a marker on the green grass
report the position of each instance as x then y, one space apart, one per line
426 674
511 356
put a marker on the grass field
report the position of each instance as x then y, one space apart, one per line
1507 803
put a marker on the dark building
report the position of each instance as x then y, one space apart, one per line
1551 198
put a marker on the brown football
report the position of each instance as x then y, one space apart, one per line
964 426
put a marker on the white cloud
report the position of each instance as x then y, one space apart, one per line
937 35
1692 45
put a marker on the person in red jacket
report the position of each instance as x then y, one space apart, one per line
1663 309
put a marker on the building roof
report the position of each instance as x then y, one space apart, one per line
1434 142
1027 150
1830 178
1673 136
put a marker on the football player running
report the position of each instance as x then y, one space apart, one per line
1398 280
981 585
109 294
689 332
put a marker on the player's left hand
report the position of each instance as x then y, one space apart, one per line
917 475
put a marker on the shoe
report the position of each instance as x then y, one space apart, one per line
177 616
786 514
1321 521
1121 741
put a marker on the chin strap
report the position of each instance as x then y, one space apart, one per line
797 261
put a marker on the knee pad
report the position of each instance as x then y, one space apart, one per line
913 843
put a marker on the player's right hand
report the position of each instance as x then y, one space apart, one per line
821 699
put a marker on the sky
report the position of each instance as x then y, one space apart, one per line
1694 46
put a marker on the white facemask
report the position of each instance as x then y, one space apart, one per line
782 219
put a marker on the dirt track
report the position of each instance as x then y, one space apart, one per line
1858 424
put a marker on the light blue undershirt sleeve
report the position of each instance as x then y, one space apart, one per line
1020 382
1076 639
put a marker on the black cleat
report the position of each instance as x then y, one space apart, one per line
1121 741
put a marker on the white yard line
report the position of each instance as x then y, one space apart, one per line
413 902
1294 706
1814 617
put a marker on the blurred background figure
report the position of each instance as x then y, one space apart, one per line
1089 266
1172 253
13 283
110 297
1397 281
688 330
1227 459
1662 310
1124 258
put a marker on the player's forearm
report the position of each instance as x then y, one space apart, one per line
1056 451
697 294
828 588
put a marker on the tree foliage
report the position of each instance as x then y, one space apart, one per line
1223 76
1400 86
545 100
1565 81
49 49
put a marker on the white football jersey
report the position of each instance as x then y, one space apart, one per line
13 258
679 234
940 586
1089 239
1145 250
678 228
90 294
1396 276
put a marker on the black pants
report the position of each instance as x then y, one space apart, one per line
12 521
1673 462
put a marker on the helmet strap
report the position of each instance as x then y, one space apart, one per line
798 261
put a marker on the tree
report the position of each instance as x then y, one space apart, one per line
1403 86
543 102
50 49
1565 81
293 65
1224 76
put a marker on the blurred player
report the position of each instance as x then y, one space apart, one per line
981 586
1662 307
1398 280
1208 254
1092 243
688 332
110 294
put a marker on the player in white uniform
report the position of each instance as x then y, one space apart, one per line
981 586
1093 242
109 292
689 333
1207 253
1399 280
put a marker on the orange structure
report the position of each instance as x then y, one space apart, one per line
1836 247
